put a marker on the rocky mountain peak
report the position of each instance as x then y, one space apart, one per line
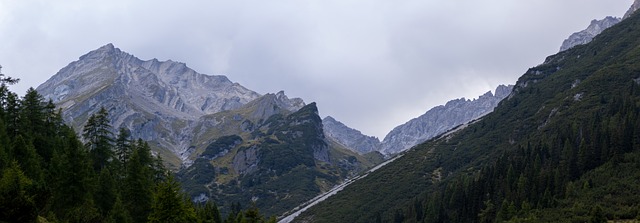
441 119
585 36
634 7
502 91
350 138
150 97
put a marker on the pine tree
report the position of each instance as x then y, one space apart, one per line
119 214
99 139
23 152
15 203
123 146
106 193
169 204
72 173
209 213
4 91
138 183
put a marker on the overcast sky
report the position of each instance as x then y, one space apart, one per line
372 64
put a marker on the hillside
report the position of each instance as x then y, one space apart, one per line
277 163
567 133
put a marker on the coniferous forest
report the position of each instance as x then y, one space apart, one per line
51 173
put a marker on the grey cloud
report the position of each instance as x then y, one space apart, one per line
372 64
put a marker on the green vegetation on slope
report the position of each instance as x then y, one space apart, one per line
283 162
562 148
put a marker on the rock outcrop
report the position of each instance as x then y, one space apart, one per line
585 36
351 138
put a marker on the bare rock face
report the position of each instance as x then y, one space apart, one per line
585 36
352 139
158 100
440 119
634 7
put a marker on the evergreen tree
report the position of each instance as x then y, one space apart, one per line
106 193
209 213
138 183
119 214
23 152
99 139
123 146
4 91
16 205
169 204
72 174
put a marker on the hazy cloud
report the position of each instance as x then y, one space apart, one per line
372 64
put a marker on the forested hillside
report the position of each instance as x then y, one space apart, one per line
563 147
48 173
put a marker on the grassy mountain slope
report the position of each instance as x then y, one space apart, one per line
573 118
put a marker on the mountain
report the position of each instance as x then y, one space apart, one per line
585 36
441 119
226 142
634 7
350 138
158 101
563 147
277 163
596 27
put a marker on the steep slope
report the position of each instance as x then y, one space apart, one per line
634 7
277 161
350 138
157 100
440 119
574 118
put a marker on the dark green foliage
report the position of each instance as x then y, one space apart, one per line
285 172
47 174
71 176
221 146
139 183
106 192
169 205
99 139
123 147
16 205
209 213
562 148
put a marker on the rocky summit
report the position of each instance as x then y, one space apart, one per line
441 119
585 36
160 101
349 137
634 7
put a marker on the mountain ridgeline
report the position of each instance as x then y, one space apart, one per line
434 122
441 119
564 146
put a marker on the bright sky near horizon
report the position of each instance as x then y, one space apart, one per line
372 64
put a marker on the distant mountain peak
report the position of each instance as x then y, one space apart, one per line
634 7
149 97
350 138
440 119
585 36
